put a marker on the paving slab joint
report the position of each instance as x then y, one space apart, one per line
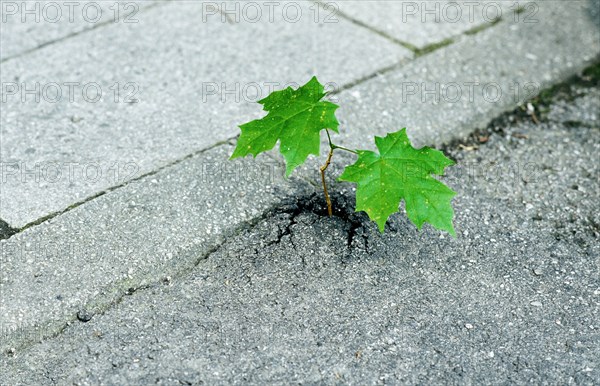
416 50
73 34
433 47
564 91
6 231
359 23
366 78
482 27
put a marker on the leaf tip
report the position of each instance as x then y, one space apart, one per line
450 229
235 154
289 169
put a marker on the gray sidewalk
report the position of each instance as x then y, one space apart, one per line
303 298
136 253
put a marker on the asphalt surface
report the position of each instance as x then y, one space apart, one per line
146 190
304 298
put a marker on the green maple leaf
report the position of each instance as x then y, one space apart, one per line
399 172
295 118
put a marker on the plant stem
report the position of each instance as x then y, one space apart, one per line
323 168
332 147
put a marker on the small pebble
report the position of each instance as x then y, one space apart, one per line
84 315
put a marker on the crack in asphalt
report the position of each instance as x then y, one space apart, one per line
292 207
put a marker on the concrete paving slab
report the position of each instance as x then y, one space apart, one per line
25 26
76 264
303 298
178 81
426 23
456 89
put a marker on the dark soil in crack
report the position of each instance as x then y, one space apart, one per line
6 231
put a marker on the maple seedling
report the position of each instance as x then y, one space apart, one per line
398 172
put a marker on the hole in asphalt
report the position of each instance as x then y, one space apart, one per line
314 204
343 207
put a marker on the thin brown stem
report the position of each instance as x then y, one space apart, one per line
323 168
332 147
